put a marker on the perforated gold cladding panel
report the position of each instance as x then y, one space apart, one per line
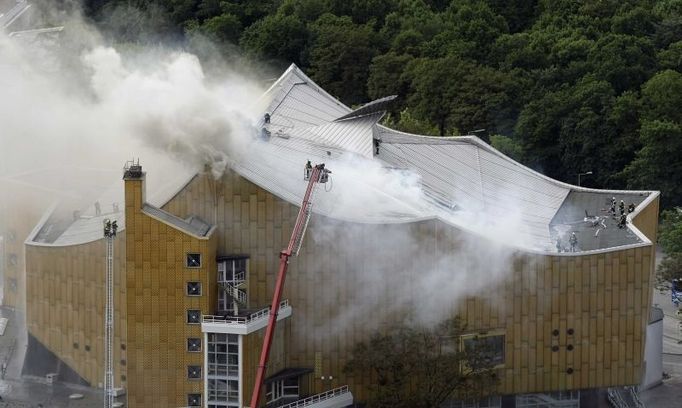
603 297
65 305
158 303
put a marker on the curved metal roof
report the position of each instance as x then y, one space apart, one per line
385 176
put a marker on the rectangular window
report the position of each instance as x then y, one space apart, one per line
223 370
194 372
287 388
490 345
193 260
193 288
194 400
193 345
231 270
194 316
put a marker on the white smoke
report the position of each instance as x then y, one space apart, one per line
98 106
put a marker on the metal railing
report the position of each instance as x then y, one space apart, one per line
635 397
318 397
236 293
241 319
624 398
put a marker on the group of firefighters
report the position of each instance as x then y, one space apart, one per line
622 222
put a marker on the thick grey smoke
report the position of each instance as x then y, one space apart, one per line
89 103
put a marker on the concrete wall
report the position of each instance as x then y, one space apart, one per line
653 355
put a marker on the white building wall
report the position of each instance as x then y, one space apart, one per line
653 355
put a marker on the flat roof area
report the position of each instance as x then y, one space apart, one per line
588 215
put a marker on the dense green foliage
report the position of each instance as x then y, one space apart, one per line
423 367
566 86
670 237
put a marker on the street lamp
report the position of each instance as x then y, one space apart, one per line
471 132
583 174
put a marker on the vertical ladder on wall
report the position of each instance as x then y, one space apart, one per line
109 325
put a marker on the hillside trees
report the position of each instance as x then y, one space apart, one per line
579 86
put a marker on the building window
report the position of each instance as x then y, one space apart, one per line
193 345
282 389
87 347
194 316
491 347
13 259
193 288
223 370
194 372
193 260
232 271
194 400
75 345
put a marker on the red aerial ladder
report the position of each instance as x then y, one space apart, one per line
313 174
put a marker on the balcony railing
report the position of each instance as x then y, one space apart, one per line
336 392
242 319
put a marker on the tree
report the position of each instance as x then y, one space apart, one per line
341 55
277 37
508 146
407 122
670 238
458 94
386 77
658 163
223 28
420 367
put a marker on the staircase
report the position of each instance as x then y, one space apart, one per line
336 398
232 289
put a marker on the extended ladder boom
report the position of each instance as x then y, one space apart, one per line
314 175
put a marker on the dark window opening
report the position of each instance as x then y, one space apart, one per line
75 345
194 316
193 288
193 344
194 400
194 372
193 260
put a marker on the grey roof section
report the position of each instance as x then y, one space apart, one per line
464 181
466 173
376 106
8 17
60 229
300 108
588 215
192 225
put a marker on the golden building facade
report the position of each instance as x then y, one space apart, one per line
195 275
